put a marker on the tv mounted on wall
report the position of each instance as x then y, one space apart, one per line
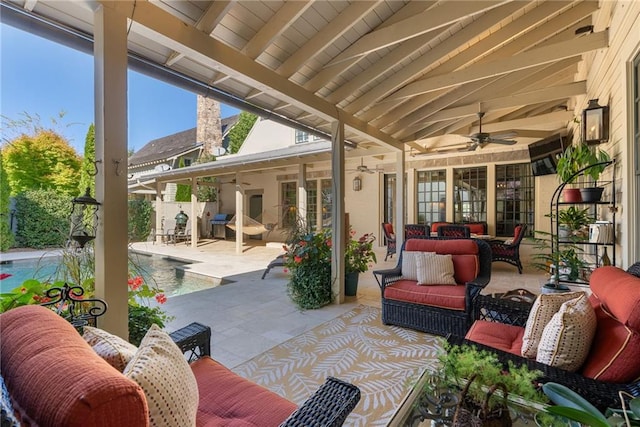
544 154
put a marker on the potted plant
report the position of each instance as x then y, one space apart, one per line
358 256
576 158
565 263
575 222
469 372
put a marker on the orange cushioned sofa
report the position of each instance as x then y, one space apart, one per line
440 309
613 358
55 378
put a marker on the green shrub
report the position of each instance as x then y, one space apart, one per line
43 218
139 220
6 236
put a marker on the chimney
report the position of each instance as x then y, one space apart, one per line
209 127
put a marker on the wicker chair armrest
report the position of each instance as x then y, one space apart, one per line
194 340
506 311
386 277
601 394
329 406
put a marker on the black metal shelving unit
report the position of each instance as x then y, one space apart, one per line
589 250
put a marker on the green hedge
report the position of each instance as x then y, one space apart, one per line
139 220
43 218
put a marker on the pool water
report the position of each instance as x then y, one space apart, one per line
167 273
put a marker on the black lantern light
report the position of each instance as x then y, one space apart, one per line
84 218
595 123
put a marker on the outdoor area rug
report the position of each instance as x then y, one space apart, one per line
383 361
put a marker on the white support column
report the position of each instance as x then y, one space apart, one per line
412 205
319 207
338 215
302 194
110 91
194 213
160 231
399 214
239 213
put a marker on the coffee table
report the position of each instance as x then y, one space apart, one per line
418 409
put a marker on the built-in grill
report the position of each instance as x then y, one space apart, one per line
219 228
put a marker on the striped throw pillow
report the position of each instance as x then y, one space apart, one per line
434 269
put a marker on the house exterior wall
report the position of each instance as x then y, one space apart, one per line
266 135
608 79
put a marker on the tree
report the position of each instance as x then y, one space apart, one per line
239 132
6 236
42 161
88 168
183 192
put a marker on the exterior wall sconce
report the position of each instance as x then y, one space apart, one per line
595 123
357 183
84 219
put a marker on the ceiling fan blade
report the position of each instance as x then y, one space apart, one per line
501 141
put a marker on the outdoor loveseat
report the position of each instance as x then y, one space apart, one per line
440 309
55 378
611 364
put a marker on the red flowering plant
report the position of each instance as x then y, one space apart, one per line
359 255
308 258
143 311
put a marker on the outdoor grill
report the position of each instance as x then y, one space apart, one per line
219 228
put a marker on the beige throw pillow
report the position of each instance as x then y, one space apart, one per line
114 350
409 266
169 385
543 309
434 269
566 340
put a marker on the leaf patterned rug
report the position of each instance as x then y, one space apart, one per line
383 361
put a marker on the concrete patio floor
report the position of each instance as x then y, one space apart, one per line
249 316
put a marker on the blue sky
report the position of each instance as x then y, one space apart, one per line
45 78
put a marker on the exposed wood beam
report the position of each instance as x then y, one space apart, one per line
515 100
172 32
288 13
206 23
414 26
521 61
334 29
324 76
467 56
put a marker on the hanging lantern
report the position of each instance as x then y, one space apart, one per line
84 219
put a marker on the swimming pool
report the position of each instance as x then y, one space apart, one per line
167 273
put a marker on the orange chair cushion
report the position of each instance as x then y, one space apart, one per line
619 293
444 296
227 399
475 228
55 378
497 335
614 350
436 225
464 254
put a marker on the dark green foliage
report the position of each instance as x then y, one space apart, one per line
206 193
140 320
43 218
88 169
42 161
183 192
6 236
139 220
239 133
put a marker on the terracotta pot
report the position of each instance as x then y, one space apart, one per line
571 195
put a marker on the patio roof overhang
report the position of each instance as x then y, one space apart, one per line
398 74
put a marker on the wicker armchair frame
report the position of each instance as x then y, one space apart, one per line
509 253
601 394
389 236
329 406
430 319
454 231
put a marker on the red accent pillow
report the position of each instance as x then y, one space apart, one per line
619 293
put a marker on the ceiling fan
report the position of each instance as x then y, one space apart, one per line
364 168
481 139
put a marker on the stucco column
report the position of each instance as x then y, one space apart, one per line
302 194
338 215
194 213
110 90
239 213
399 215
160 232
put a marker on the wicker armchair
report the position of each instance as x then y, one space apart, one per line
390 238
454 231
415 231
431 318
509 251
